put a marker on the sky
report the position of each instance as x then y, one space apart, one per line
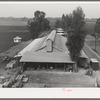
52 9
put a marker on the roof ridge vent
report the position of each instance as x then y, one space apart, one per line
51 36
50 40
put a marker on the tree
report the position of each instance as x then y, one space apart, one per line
97 31
66 21
58 23
36 14
63 21
97 26
76 35
38 24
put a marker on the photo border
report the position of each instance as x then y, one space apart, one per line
77 98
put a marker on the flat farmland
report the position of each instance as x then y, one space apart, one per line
7 33
12 28
90 27
7 22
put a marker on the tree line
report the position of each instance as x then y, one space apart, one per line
38 24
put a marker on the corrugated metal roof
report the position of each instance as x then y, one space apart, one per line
55 57
94 60
43 44
29 47
52 36
38 50
17 37
39 44
58 43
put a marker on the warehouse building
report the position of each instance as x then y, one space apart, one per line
48 52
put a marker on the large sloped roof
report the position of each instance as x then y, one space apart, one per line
58 43
37 50
30 47
56 57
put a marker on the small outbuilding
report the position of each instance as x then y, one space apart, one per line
94 64
17 39
59 30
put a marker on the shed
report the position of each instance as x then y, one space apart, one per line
94 64
17 39
60 30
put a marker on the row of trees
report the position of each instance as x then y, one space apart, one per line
38 24
74 24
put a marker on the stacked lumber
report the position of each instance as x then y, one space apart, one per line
16 81
20 80
2 79
25 80
10 82
18 84
16 78
20 77
6 84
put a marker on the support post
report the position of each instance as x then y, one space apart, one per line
64 67
56 66
47 66
17 61
75 67
22 67
39 66
95 43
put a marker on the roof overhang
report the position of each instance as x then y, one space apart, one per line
55 57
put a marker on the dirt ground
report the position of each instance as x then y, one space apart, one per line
52 79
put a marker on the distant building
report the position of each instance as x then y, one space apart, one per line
17 39
94 64
60 31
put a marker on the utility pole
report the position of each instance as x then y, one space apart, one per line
96 37
95 42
